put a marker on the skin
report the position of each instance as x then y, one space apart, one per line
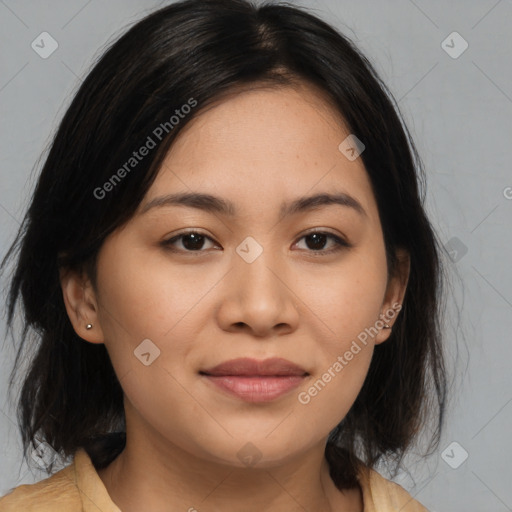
257 148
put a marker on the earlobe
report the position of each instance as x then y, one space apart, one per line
81 305
385 326
395 293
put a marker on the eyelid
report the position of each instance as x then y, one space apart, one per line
326 231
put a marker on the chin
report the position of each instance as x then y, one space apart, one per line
260 452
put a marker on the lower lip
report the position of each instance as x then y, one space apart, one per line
256 389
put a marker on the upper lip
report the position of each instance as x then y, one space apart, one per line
275 366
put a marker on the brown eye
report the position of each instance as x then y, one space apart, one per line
191 241
317 241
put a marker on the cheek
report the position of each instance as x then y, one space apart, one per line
330 394
155 395
344 352
346 304
144 295
143 300
346 300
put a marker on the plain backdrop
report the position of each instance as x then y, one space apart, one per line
457 103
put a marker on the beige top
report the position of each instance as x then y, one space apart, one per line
78 488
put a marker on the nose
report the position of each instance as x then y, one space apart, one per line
259 298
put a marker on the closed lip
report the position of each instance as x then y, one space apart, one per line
247 367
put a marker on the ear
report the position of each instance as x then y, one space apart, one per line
81 304
394 296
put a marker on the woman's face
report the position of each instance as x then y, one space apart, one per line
253 282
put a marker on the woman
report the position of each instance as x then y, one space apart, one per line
233 280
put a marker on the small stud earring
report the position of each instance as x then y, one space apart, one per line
386 326
88 326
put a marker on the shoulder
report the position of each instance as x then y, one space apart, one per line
383 495
76 488
56 493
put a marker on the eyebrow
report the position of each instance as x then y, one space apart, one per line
213 204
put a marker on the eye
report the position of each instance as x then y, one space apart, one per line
191 241
316 240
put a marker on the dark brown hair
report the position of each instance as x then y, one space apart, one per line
203 49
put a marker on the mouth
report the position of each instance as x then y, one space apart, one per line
256 381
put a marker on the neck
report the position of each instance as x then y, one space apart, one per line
154 474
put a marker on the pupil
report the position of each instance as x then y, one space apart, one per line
318 240
196 241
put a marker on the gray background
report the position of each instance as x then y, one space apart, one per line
458 111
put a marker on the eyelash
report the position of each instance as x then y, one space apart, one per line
340 243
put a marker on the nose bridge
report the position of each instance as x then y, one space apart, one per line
256 267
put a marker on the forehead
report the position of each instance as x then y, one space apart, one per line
264 144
